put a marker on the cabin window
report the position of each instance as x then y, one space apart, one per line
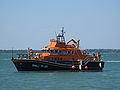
44 51
60 51
72 52
68 52
52 51
56 51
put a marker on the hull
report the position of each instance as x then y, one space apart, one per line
43 65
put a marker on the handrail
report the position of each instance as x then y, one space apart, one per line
85 63
85 57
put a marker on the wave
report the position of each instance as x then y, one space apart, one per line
4 59
113 61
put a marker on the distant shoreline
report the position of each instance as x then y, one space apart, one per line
89 50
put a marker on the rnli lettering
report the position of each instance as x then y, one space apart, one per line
34 65
39 66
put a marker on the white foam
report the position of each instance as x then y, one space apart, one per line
113 61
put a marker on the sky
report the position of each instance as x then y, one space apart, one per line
32 23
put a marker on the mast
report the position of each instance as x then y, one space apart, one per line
60 37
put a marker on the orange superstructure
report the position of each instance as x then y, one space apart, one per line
59 50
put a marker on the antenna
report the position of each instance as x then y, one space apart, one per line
56 34
63 38
12 53
63 31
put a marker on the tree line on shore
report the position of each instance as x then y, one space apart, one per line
88 50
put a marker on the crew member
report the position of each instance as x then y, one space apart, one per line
30 54
98 55
37 56
94 56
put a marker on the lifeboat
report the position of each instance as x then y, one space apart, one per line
59 55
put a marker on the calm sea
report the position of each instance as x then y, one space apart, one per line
109 79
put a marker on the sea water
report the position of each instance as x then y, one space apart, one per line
109 79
